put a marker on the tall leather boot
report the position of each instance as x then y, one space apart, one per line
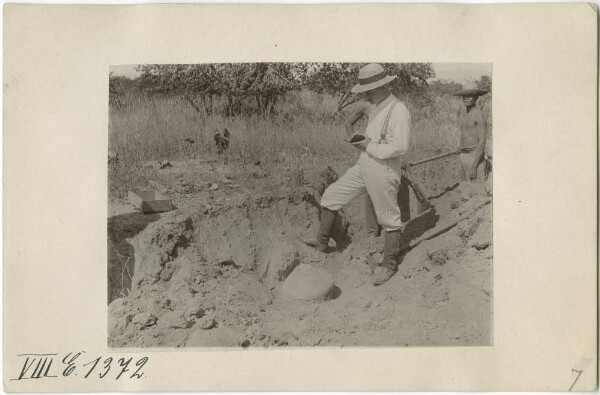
391 252
339 232
373 227
321 242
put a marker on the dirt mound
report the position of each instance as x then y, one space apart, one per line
210 273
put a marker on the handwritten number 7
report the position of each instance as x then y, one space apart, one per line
576 378
124 364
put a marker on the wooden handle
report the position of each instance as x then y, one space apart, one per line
421 197
444 228
435 157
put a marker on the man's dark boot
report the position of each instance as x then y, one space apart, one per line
391 251
339 232
321 242
373 228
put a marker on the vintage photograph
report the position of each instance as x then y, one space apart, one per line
300 205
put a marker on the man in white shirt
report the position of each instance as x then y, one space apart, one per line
378 170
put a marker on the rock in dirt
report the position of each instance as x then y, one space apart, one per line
154 164
164 164
245 343
214 187
144 320
207 323
173 320
228 262
193 309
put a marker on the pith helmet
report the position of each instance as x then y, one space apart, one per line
370 77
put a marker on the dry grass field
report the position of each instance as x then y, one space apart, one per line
144 129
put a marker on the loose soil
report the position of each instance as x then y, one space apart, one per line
209 273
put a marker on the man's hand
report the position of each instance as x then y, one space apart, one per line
404 164
362 145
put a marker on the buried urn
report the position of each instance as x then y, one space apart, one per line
306 283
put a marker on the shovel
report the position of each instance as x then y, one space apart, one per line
435 157
423 203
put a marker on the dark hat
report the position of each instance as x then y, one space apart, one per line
470 89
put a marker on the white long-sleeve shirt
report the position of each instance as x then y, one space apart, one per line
397 135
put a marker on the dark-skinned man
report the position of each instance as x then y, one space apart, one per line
473 131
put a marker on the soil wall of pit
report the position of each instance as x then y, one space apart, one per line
212 278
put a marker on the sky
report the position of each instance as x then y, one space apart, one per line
124 70
458 72
461 72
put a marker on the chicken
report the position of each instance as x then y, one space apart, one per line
222 141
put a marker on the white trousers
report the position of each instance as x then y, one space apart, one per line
380 178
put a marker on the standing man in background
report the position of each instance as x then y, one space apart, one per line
473 131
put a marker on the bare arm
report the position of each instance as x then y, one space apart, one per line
360 111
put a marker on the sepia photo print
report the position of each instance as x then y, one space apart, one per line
300 205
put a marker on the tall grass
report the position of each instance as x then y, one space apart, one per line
158 129
145 128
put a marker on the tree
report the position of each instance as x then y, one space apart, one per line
411 83
485 83
195 83
276 80
337 79
234 82
444 87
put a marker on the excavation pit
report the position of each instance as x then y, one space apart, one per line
229 266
